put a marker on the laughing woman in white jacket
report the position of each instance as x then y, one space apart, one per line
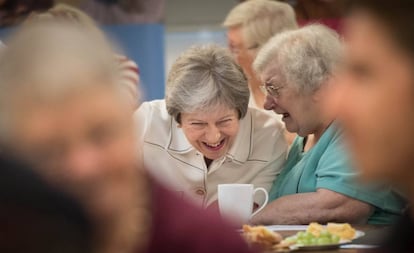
203 133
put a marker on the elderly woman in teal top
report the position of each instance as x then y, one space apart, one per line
317 182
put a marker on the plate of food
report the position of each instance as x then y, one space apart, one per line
319 237
315 237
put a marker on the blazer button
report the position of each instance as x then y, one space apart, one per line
200 192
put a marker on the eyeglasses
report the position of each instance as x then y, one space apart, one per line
269 89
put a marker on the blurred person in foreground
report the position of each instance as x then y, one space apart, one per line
203 133
375 100
128 68
74 124
317 182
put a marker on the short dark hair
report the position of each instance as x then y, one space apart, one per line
397 17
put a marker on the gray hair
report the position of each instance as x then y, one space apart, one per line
261 19
304 58
204 77
47 62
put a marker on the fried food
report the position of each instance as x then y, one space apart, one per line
343 230
283 246
315 229
261 236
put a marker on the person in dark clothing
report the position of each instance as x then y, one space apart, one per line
37 218
375 99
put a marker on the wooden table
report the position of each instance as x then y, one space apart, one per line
373 236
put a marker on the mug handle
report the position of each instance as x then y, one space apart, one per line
265 202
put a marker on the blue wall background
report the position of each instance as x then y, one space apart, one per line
144 43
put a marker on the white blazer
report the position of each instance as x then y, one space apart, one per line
256 156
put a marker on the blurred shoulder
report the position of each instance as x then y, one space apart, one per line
152 119
155 108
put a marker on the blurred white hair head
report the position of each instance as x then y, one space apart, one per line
260 20
49 62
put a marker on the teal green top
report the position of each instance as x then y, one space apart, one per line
326 165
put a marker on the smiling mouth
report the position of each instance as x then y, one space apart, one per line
214 146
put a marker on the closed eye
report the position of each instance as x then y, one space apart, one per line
225 122
197 125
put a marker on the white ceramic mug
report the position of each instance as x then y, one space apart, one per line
236 202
